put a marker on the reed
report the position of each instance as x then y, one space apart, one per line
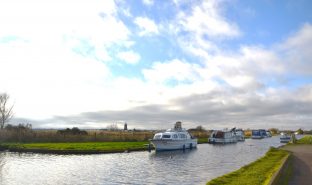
44 136
48 136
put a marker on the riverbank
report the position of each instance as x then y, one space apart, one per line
81 147
75 148
257 173
292 164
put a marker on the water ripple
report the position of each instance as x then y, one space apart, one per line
176 167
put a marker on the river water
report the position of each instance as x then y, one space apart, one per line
195 166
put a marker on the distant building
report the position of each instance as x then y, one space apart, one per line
125 126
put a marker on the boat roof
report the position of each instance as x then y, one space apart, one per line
176 130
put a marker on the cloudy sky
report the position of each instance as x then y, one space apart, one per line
216 63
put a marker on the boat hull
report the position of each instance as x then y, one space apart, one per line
163 145
256 137
285 140
222 140
240 138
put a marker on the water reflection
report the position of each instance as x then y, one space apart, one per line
195 166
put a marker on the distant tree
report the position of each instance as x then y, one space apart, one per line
6 112
112 127
274 130
300 131
200 128
197 129
73 131
19 127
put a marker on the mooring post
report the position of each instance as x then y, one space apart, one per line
149 147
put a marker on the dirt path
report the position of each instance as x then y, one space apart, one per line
302 163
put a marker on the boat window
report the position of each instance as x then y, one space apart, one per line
175 136
166 136
256 132
182 135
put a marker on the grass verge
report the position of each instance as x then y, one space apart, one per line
256 173
305 140
202 140
87 147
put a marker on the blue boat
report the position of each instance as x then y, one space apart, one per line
258 134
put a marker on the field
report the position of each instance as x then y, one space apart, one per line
89 147
256 173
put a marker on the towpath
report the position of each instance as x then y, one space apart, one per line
302 164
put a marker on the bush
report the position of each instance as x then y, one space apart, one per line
73 131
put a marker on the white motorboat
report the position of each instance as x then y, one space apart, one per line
239 134
222 137
174 139
285 138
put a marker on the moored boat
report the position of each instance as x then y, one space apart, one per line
285 138
222 137
258 134
174 139
239 134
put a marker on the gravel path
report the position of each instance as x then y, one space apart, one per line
302 161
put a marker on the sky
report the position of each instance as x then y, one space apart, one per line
215 63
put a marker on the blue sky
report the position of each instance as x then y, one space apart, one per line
150 63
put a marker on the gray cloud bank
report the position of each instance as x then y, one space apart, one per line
240 109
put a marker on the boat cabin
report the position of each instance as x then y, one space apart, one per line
172 135
258 134
219 136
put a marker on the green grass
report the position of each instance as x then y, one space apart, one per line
202 140
305 140
88 146
256 173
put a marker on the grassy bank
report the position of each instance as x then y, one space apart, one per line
256 173
305 140
202 140
87 147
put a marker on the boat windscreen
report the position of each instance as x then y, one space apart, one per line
219 135
166 136
157 136
256 133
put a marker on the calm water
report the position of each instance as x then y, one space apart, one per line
191 167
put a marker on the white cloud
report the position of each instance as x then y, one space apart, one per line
129 57
50 81
146 25
55 65
202 26
148 2
296 51
206 19
54 59
171 70
94 22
